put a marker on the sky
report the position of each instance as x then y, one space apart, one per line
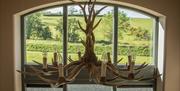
130 13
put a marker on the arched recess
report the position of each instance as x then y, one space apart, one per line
18 46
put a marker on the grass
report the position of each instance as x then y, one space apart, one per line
120 42
52 21
42 42
142 22
38 57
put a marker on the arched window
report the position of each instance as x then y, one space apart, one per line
123 31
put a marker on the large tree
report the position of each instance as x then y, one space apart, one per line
32 24
124 28
73 35
35 28
123 23
46 34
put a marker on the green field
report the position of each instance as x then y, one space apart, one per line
52 21
144 23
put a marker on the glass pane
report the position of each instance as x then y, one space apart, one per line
89 87
74 33
44 89
135 36
43 33
103 33
134 89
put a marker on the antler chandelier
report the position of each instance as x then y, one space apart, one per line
100 71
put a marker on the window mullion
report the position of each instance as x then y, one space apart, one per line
115 38
65 40
64 35
115 35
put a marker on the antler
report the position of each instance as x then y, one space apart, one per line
90 17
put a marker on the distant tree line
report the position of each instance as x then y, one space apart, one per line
124 28
36 29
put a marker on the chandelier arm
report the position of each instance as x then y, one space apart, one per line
91 73
138 72
52 72
112 79
114 67
142 66
146 79
155 76
72 74
46 80
39 71
70 59
119 60
52 67
38 74
96 74
37 62
26 73
72 63
80 26
138 78
96 25
70 68
116 72
96 13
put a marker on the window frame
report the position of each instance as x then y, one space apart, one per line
65 43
